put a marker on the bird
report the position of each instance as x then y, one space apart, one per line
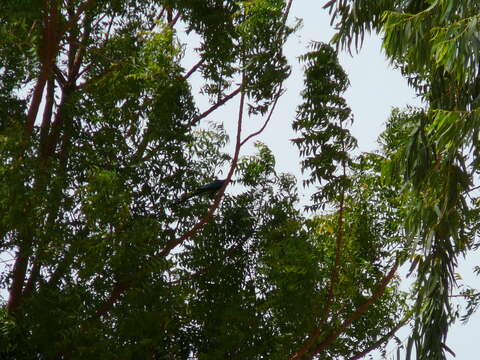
210 188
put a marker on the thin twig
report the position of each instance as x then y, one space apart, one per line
465 295
277 96
174 20
194 68
360 310
215 106
382 340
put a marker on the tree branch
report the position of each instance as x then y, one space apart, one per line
360 311
194 68
381 341
316 332
19 272
173 243
121 286
354 316
59 76
80 10
48 52
47 115
32 280
466 295
277 96
215 106
287 12
174 20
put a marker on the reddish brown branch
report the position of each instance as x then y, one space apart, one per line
35 103
173 243
169 14
47 115
59 76
258 132
380 341
157 18
56 125
466 295
75 56
77 50
359 312
48 49
32 280
19 272
73 35
47 53
287 12
354 316
117 291
174 20
80 10
316 332
121 286
215 106
194 68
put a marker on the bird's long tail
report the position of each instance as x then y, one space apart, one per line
188 196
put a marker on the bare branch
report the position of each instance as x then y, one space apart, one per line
107 35
48 53
80 10
19 272
47 115
216 106
157 18
59 76
466 295
287 12
360 311
32 280
194 68
277 96
73 71
117 291
381 341
354 316
174 20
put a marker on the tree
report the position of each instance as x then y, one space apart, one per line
433 150
100 137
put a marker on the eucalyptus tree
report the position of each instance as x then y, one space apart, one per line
433 150
100 137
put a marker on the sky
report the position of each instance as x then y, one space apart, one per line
376 88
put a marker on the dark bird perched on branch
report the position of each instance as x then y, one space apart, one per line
210 188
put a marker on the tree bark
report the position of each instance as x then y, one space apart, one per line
47 53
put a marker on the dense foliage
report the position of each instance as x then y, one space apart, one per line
433 150
101 137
